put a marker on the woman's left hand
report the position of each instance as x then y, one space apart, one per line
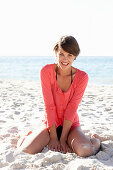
64 147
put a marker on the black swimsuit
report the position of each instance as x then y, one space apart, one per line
59 128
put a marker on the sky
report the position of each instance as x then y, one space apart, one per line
32 27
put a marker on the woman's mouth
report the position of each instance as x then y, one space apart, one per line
65 64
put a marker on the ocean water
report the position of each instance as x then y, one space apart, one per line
99 69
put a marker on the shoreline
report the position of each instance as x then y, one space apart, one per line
38 81
21 110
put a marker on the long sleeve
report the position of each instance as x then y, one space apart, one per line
71 109
50 108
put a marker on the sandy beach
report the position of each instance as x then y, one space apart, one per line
22 109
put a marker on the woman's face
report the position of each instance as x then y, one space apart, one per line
64 59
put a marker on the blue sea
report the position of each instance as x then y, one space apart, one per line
99 69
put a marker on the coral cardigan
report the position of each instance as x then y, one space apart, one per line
60 106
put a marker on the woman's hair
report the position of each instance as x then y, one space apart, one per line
68 44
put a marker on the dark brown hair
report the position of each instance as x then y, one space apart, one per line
68 44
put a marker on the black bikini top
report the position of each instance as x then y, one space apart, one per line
71 74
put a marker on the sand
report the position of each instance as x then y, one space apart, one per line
21 110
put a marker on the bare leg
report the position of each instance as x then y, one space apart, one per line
34 142
22 138
82 145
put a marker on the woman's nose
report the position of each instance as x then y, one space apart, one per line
65 57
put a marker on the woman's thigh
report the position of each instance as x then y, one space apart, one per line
76 134
35 142
81 144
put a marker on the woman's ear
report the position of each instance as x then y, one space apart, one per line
75 57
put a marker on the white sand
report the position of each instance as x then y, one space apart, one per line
21 108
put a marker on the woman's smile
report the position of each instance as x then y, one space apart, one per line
64 63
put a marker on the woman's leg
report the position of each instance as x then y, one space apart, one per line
34 142
81 144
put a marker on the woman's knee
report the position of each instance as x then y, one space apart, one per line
35 143
85 150
31 150
28 150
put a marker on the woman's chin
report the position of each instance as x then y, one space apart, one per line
64 67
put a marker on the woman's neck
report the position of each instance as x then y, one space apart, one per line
63 73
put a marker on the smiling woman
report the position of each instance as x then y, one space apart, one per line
66 50
63 87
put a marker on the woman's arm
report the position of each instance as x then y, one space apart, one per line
63 139
71 109
50 108
66 128
53 143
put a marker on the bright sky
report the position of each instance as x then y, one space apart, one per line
32 27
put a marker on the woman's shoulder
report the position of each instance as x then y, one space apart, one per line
47 67
82 75
81 72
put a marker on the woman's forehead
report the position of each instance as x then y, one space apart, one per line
61 50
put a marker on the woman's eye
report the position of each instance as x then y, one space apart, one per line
61 53
70 55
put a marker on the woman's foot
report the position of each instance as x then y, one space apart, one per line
99 137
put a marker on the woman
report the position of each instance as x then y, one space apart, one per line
63 87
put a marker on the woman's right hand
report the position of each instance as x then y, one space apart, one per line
54 144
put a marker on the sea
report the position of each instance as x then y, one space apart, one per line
99 68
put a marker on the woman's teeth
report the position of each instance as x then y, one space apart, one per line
65 64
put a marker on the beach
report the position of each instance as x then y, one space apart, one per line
21 111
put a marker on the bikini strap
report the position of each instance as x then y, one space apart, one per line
71 76
56 72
